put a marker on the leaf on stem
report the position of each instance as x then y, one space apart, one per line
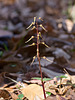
44 79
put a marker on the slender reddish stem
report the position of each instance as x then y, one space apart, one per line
39 60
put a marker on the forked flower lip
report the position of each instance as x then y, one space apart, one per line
42 27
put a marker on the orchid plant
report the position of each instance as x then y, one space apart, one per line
35 25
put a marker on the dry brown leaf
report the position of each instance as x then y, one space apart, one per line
69 25
4 94
51 11
1 79
51 98
71 78
63 90
60 97
14 96
48 85
35 81
37 98
51 87
50 73
70 94
33 90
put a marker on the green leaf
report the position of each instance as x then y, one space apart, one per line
37 78
57 76
47 79
62 76
1 53
49 93
72 50
44 79
20 96
19 99
74 85
13 65
69 83
5 46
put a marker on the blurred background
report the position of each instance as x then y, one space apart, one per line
16 14
59 20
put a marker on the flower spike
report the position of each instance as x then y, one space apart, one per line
35 25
